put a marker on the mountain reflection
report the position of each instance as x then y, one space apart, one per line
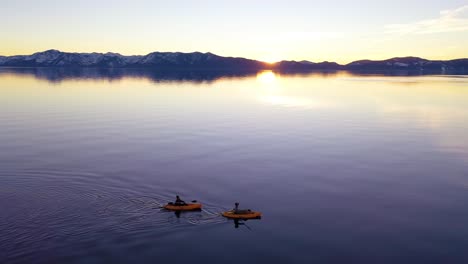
61 74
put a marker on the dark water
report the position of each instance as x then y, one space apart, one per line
344 168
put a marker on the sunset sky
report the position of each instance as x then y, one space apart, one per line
334 30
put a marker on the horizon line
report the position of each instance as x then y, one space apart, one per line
183 52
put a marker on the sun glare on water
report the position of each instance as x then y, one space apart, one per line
266 77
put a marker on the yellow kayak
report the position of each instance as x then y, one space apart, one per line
187 207
247 215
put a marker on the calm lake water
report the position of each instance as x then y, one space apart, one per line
345 168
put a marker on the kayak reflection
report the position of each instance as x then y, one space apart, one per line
240 222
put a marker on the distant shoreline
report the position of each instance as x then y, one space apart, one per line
175 61
58 74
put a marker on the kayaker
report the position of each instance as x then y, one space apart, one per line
179 201
236 210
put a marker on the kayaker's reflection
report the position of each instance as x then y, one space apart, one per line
238 222
177 213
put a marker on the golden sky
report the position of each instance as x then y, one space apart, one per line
333 30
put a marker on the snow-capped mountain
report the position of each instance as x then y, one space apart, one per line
55 58
409 63
198 60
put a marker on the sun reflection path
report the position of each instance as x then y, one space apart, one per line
266 77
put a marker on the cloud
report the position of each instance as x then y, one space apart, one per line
455 20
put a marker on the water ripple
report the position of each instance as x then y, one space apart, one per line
52 207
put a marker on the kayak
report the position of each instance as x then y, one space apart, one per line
249 215
188 207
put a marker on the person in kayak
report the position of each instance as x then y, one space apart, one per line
179 201
236 210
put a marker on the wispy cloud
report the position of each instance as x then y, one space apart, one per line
454 20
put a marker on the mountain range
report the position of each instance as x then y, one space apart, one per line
198 60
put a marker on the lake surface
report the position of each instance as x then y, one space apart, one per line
345 168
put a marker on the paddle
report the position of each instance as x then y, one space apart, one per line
247 226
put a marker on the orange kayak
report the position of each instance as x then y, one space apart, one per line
250 215
187 207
